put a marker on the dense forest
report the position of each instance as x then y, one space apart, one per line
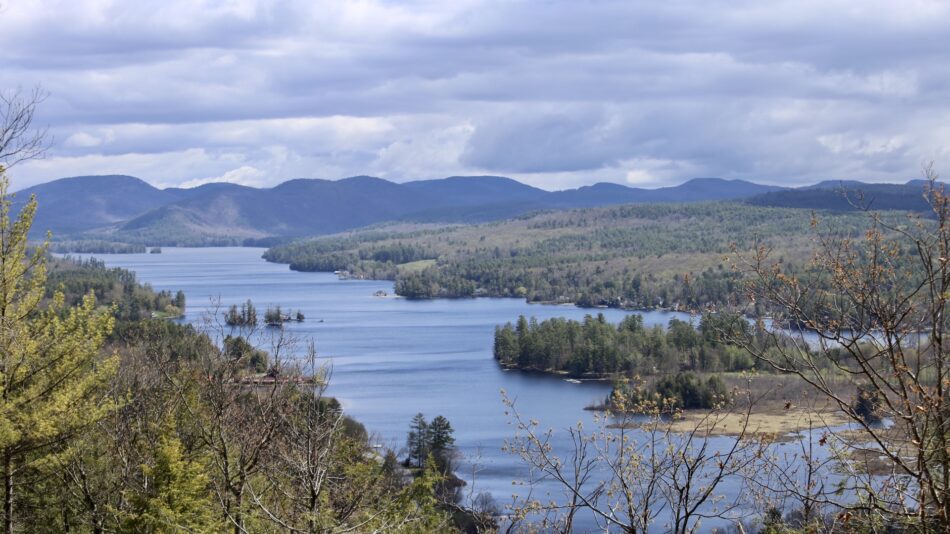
594 347
96 247
118 287
670 256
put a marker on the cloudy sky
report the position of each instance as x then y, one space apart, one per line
554 93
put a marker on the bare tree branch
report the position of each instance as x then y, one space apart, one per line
19 139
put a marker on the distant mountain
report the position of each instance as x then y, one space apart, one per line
478 190
294 208
695 190
74 205
848 196
703 189
312 207
127 209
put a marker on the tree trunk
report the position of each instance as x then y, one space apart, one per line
238 508
311 520
8 492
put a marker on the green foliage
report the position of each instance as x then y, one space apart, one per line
441 441
176 496
179 342
246 316
418 501
430 440
274 316
165 431
595 347
417 441
688 391
96 247
682 391
127 474
52 373
113 286
641 256
239 350
220 439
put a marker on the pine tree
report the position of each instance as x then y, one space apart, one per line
417 441
506 347
180 300
441 441
232 317
250 313
50 365
177 497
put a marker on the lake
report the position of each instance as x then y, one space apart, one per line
393 357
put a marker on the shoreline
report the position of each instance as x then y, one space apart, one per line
773 422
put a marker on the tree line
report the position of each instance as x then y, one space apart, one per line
594 347
634 257
75 279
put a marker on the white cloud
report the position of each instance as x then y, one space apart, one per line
82 140
243 175
557 94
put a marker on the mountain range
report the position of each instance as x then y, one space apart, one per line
128 209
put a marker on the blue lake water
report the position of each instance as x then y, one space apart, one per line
393 357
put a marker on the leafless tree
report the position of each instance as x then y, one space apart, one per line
801 478
877 305
635 469
236 416
19 139
303 454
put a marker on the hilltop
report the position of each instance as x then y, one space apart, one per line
126 209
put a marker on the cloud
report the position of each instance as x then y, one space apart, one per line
557 94
243 175
85 140
545 141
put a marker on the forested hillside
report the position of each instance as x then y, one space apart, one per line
674 256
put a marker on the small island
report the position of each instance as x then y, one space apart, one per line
245 316
594 348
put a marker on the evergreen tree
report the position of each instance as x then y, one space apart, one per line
274 316
176 499
50 369
250 313
232 317
506 345
417 442
441 441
